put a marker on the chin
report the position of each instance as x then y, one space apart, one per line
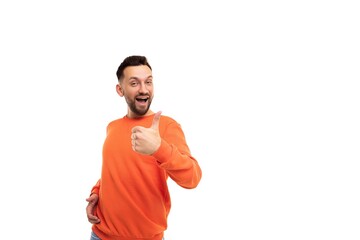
141 112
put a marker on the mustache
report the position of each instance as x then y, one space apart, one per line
142 95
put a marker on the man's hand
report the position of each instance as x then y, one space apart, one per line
93 200
147 140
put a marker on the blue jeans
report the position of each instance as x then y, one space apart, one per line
94 237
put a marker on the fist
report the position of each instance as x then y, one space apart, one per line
147 140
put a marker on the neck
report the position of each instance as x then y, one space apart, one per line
131 114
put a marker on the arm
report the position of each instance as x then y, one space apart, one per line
174 156
92 203
169 147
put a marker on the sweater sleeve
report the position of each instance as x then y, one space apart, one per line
174 156
96 188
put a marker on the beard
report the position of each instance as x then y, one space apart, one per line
132 105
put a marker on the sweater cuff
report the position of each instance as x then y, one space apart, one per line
95 190
163 153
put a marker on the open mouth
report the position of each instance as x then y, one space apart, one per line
142 99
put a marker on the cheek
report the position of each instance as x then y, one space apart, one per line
129 94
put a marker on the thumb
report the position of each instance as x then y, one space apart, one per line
156 120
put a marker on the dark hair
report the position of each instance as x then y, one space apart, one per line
134 60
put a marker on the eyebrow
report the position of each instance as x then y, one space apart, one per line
136 78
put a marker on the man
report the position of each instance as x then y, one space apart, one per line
141 150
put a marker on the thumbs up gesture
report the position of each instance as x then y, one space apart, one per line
146 140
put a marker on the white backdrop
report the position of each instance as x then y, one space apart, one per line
266 91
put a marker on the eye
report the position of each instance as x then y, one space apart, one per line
133 84
149 82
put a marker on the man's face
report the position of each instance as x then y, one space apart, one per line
137 88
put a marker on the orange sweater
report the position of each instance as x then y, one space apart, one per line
134 200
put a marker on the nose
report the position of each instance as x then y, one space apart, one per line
143 88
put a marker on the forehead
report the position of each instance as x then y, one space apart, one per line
139 72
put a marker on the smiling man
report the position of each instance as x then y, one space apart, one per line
137 89
141 150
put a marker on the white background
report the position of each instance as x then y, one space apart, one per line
266 91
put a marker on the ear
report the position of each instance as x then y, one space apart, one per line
119 90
